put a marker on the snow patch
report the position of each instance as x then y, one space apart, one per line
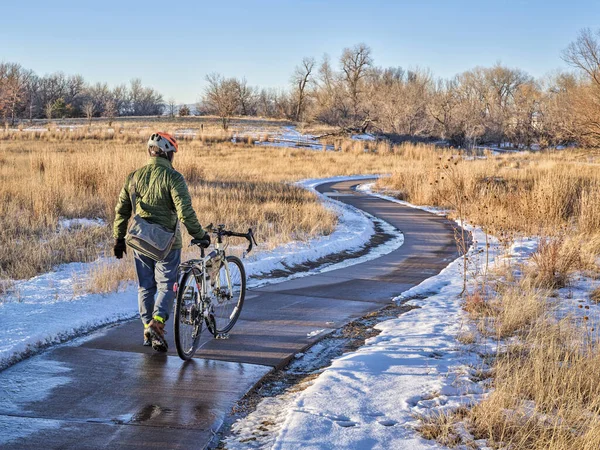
67 224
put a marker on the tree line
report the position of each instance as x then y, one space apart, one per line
26 95
484 105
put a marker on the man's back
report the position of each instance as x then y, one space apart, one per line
162 197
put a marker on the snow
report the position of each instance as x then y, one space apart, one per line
289 136
52 308
363 137
48 310
367 399
80 223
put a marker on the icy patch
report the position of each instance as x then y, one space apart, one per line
292 138
314 333
14 428
31 385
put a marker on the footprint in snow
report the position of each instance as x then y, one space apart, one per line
387 423
436 355
346 423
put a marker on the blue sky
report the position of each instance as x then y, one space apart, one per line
173 45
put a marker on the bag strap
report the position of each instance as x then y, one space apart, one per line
133 193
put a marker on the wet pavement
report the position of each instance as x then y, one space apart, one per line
108 391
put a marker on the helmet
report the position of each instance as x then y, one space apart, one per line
164 141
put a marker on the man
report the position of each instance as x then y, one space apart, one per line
162 197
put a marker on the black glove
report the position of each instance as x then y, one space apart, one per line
120 248
206 238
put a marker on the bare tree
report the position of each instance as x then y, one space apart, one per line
13 84
172 107
184 111
49 110
221 97
89 108
300 80
584 54
246 96
354 62
144 101
110 111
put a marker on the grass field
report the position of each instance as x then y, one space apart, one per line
47 176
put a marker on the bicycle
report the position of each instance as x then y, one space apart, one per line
211 290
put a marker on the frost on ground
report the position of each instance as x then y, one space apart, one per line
368 399
52 308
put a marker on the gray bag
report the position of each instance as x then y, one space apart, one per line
150 239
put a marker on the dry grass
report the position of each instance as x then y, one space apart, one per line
529 193
546 384
57 175
546 397
506 313
441 427
553 263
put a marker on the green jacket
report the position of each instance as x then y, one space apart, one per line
162 197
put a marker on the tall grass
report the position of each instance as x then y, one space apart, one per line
530 193
44 180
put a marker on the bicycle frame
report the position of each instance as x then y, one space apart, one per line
205 281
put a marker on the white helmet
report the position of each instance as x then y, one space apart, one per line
164 141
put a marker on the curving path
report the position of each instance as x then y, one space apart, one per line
108 391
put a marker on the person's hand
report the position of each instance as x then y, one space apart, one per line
206 238
120 248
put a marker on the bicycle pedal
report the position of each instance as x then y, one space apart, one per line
222 336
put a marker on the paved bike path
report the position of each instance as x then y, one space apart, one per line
107 391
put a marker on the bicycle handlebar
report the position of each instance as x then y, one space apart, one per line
220 232
249 236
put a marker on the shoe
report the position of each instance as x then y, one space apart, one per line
155 333
147 341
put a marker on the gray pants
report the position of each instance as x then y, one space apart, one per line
156 276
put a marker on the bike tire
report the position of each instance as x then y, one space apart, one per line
225 320
183 336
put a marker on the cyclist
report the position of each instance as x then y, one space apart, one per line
162 198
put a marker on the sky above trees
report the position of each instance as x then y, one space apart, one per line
173 46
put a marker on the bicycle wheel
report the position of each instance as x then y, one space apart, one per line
229 296
188 316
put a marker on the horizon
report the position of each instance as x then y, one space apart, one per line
263 45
